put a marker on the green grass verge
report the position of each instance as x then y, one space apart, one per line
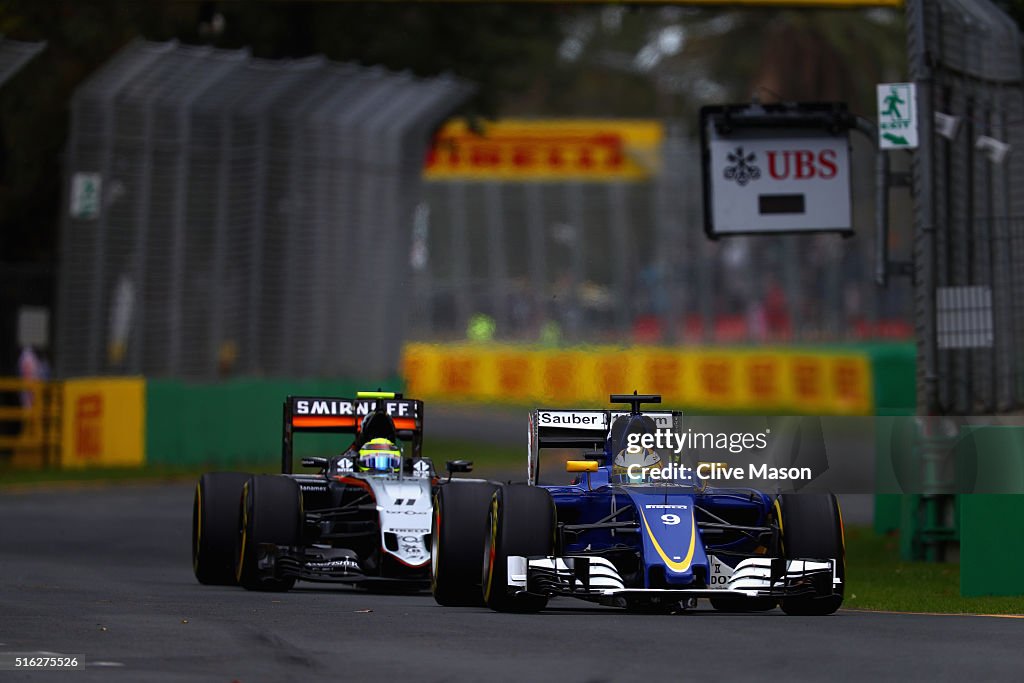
878 580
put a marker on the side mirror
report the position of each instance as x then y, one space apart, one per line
454 466
314 462
581 466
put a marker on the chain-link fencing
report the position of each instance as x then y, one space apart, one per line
235 215
966 60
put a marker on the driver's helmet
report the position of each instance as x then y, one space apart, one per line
379 455
634 454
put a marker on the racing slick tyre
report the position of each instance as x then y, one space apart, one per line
521 521
271 512
215 523
457 534
811 526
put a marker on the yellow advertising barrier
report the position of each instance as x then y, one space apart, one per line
104 422
596 150
764 380
664 372
769 380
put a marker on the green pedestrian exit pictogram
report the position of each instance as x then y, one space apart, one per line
892 102
897 116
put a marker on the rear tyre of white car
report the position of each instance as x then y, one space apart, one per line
457 533
271 512
215 523
812 528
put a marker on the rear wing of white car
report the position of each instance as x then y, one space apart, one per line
371 411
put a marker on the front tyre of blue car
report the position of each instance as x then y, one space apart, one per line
457 533
811 527
521 521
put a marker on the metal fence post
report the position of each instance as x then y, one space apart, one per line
924 223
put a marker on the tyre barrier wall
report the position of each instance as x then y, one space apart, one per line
787 381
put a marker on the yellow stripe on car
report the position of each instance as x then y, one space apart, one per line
683 565
778 518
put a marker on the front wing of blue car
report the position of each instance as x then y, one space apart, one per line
597 580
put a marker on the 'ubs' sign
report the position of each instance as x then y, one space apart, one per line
761 177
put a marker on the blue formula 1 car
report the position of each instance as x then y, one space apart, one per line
620 536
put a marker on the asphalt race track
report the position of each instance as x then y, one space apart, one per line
105 573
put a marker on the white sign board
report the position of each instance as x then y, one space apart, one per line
897 116
791 182
85 196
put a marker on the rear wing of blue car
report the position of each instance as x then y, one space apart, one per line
369 415
588 429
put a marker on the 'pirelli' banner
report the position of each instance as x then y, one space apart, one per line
777 381
547 150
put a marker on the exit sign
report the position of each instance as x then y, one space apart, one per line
897 115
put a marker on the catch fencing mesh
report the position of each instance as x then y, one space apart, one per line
232 215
